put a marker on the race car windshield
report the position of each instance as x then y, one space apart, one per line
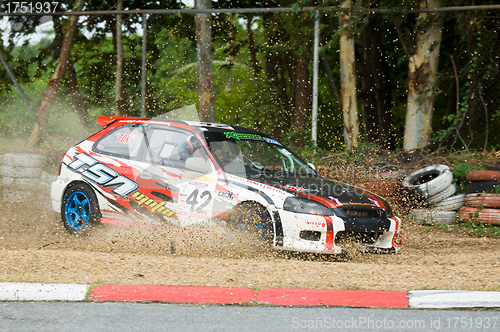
250 155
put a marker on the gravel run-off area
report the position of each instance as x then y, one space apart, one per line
34 247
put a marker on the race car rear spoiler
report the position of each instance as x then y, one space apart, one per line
105 121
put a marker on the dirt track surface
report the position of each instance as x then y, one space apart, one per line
35 248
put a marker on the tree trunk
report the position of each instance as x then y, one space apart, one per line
57 76
348 83
301 86
120 98
204 51
251 42
421 81
333 86
276 80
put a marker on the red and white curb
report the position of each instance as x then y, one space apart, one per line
15 291
453 299
233 295
275 296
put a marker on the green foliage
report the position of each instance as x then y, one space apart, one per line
495 190
242 97
15 118
462 169
479 229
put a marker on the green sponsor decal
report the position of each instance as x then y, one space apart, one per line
238 136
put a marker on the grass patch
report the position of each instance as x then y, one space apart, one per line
252 303
99 282
21 277
353 287
479 229
469 228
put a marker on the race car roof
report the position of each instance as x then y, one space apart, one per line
105 121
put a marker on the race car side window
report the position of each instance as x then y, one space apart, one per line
162 147
124 142
172 148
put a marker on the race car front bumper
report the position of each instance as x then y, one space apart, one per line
322 234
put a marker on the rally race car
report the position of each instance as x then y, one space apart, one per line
203 175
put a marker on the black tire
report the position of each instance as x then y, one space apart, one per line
80 209
481 186
252 220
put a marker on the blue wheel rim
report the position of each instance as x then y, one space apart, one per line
77 210
244 226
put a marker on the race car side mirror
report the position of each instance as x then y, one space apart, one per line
198 164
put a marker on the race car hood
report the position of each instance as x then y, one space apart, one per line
361 211
324 190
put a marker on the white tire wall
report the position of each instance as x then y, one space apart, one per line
442 179
453 203
433 217
22 179
442 195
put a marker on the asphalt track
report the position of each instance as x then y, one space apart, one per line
73 307
77 316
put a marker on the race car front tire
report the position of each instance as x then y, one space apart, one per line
80 209
252 220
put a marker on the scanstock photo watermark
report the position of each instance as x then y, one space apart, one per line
432 323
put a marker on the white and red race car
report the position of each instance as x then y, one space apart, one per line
196 175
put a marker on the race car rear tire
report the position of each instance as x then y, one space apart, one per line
428 181
452 203
80 209
253 220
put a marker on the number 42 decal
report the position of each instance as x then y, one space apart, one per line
205 199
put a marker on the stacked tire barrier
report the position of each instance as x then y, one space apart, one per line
24 181
432 187
387 184
482 203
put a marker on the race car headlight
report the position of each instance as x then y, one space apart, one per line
302 205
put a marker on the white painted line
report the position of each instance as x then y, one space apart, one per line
453 299
14 291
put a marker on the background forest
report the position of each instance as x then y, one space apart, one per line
262 71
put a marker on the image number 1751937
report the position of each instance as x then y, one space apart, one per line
25 7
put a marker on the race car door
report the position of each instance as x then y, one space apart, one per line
119 151
180 174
